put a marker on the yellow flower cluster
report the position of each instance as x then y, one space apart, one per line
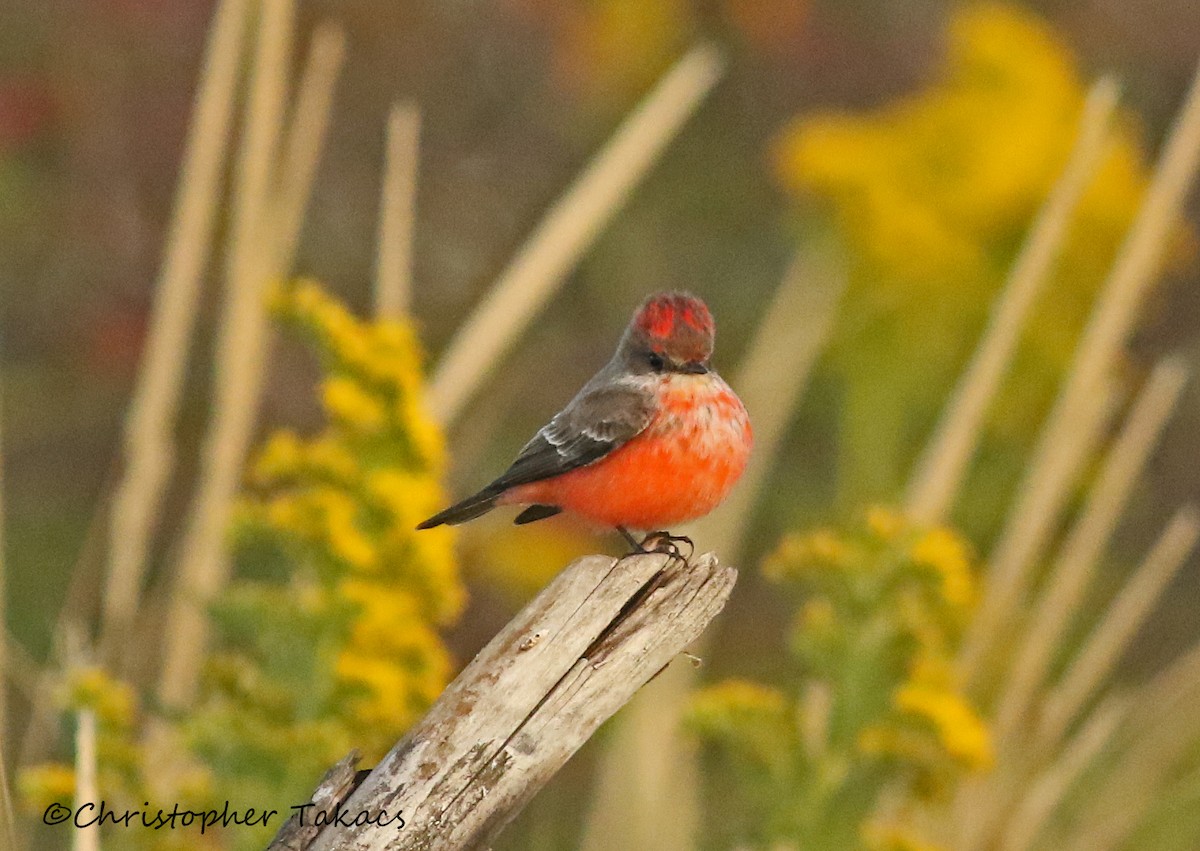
374 385
931 184
115 708
881 613
955 723
752 719
948 556
877 837
932 195
331 640
921 593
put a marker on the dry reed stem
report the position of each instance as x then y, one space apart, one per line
1034 810
1072 573
982 803
568 230
660 808
397 213
1134 602
19 669
814 719
148 440
41 733
939 473
1164 723
86 788
8 820
203 566
1133 271
1031 523
305 139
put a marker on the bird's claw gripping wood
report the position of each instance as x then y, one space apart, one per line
659 542
665 542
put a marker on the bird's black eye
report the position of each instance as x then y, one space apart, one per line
656 362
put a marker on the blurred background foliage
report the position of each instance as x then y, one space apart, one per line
329 639
873 698
925 134
934 193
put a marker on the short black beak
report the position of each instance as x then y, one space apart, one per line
694 368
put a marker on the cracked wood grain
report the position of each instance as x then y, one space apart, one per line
565 664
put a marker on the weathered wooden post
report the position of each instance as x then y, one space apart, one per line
566 663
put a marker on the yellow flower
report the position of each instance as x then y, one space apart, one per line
346 540
885 523
348 403
949 556
894 837
800 555
364 608
740 698
42 785
959 729
754 720
818 616
112 701
284 514
423 433
279 459
328 457
408 497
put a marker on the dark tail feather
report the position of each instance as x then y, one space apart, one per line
461 512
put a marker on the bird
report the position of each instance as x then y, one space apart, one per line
654 439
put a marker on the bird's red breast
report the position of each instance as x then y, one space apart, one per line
679 468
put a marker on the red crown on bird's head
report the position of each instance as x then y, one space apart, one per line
678 323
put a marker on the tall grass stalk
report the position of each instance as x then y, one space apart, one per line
149 448
8 816
1072 573
568 230
304 140
86 789
397 213
203 568
983 802
1051 787
942 467
1133 272
20 671
1102 650
997 809
1032 522
1164 727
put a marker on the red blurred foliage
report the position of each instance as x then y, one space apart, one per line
775 27
27 109
114 340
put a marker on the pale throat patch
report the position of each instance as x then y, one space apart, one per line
703 411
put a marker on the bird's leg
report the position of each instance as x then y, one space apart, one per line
633 542
665 542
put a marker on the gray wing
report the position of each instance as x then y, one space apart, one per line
596 422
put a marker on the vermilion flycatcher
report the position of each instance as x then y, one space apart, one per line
655 438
